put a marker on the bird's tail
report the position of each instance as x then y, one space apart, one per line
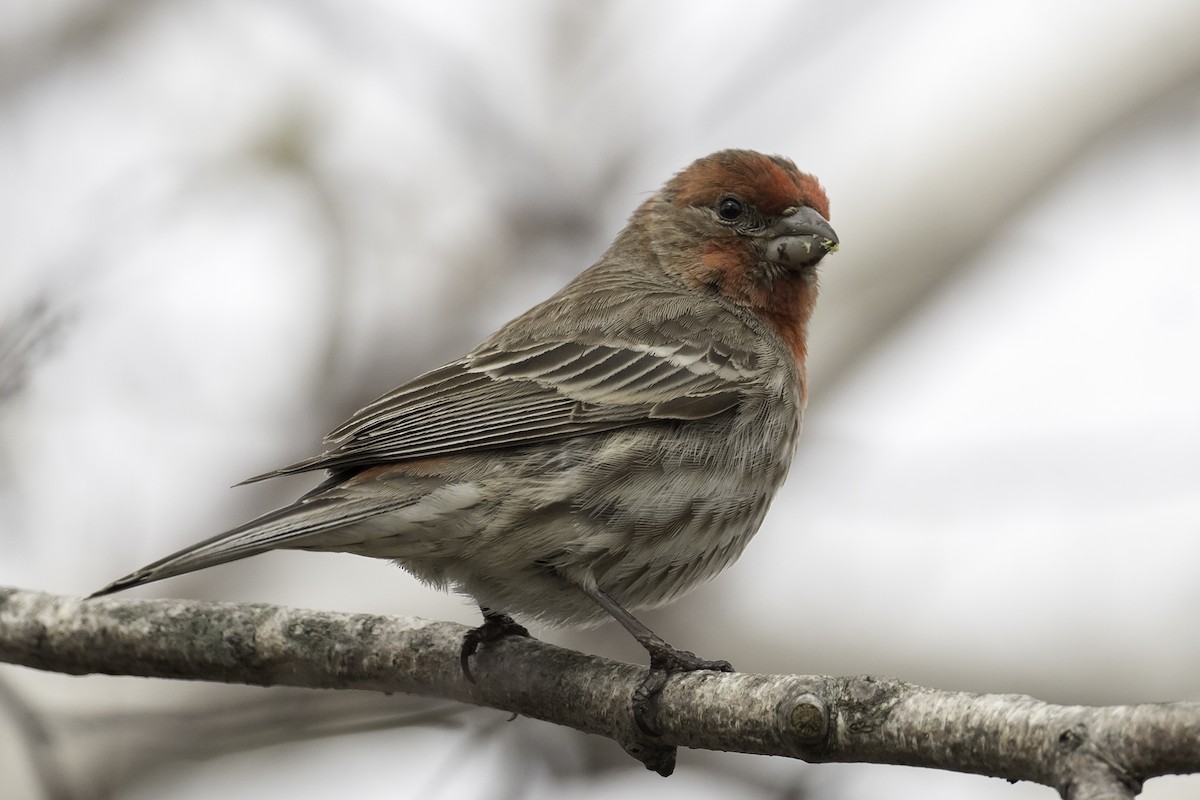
308 523
256 536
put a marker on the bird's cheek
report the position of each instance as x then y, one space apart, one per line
704 272
726 264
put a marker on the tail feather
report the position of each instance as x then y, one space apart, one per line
304 524
256 536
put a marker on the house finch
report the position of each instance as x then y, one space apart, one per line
609 449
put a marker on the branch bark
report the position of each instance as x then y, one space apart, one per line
1081 751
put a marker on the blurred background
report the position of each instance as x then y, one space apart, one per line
226 225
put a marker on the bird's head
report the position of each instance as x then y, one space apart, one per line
749 227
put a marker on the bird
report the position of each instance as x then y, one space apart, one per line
606 451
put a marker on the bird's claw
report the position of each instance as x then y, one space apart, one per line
494 628
665 661
672 660
655 757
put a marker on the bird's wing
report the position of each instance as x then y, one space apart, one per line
499 395
511 394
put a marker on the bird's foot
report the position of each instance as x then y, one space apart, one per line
665 661
495 627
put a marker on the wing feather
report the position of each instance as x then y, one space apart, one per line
512 393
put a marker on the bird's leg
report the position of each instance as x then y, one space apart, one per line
664 659
496 625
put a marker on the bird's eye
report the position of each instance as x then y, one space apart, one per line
729 208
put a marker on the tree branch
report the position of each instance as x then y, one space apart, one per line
1083 752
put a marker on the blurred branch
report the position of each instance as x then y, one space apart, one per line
39 740
122 748
76 32
979 167
1083 752
25 338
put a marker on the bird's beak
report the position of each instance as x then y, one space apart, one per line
799 239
